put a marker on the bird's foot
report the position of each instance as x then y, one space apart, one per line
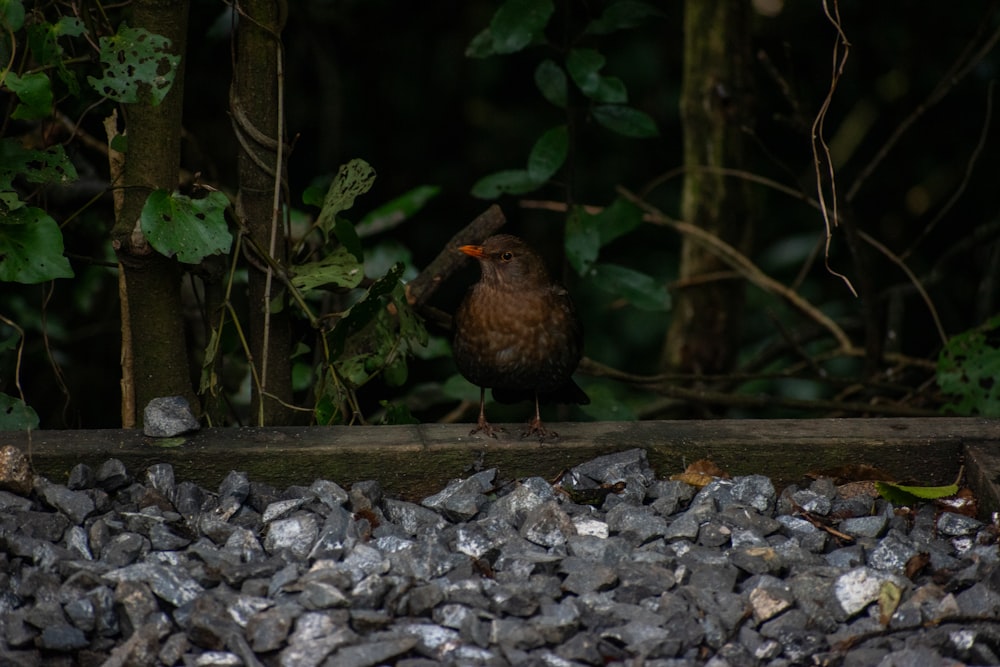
486 428
536 427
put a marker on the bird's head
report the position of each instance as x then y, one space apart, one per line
508 263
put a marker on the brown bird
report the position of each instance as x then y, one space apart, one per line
517 333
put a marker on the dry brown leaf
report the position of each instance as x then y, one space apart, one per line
857 489
700 473
963 502
915 564
695 479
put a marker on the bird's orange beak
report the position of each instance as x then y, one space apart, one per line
472 251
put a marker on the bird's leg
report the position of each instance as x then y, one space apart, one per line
483 425
535 426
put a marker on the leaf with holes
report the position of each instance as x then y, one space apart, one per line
968 371
137 66
192 229
339 268
15 415
45 166
31 247
352 180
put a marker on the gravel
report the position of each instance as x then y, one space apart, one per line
611 566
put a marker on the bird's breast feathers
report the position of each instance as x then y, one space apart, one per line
515 338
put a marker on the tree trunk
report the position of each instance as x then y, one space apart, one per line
155 358
255 105
704 332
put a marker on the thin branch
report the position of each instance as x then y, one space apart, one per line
964 64
821 151
675 392
913 278
275 220
743 265
966 177
420 289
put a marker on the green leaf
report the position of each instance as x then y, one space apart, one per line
641 290
68 26
192 229
511 181
11 15
31 247
481 45
625 120
329 399
584 66
515 25
34 90
352 180
395 372
968 371
621 15
43 42
548 154
411 327
362 312
618 219
137 66
900 494
344 230
395 211
551 80
397 413
15 415
119 143
586 234
339 268
46 166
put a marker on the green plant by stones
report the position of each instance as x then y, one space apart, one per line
968 371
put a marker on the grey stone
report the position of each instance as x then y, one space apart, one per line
168 416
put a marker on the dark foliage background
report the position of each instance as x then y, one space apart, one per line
389 82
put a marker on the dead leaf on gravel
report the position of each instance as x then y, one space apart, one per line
700 473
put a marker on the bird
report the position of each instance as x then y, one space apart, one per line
516 332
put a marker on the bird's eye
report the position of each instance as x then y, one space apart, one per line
507 256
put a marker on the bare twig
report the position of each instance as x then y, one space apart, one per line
821 152
420 289
964 64
279 158
744 266
913 279
970 165
675 392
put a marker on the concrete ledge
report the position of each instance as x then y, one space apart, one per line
414 461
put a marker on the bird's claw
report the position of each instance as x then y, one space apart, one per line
486 428
535 427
